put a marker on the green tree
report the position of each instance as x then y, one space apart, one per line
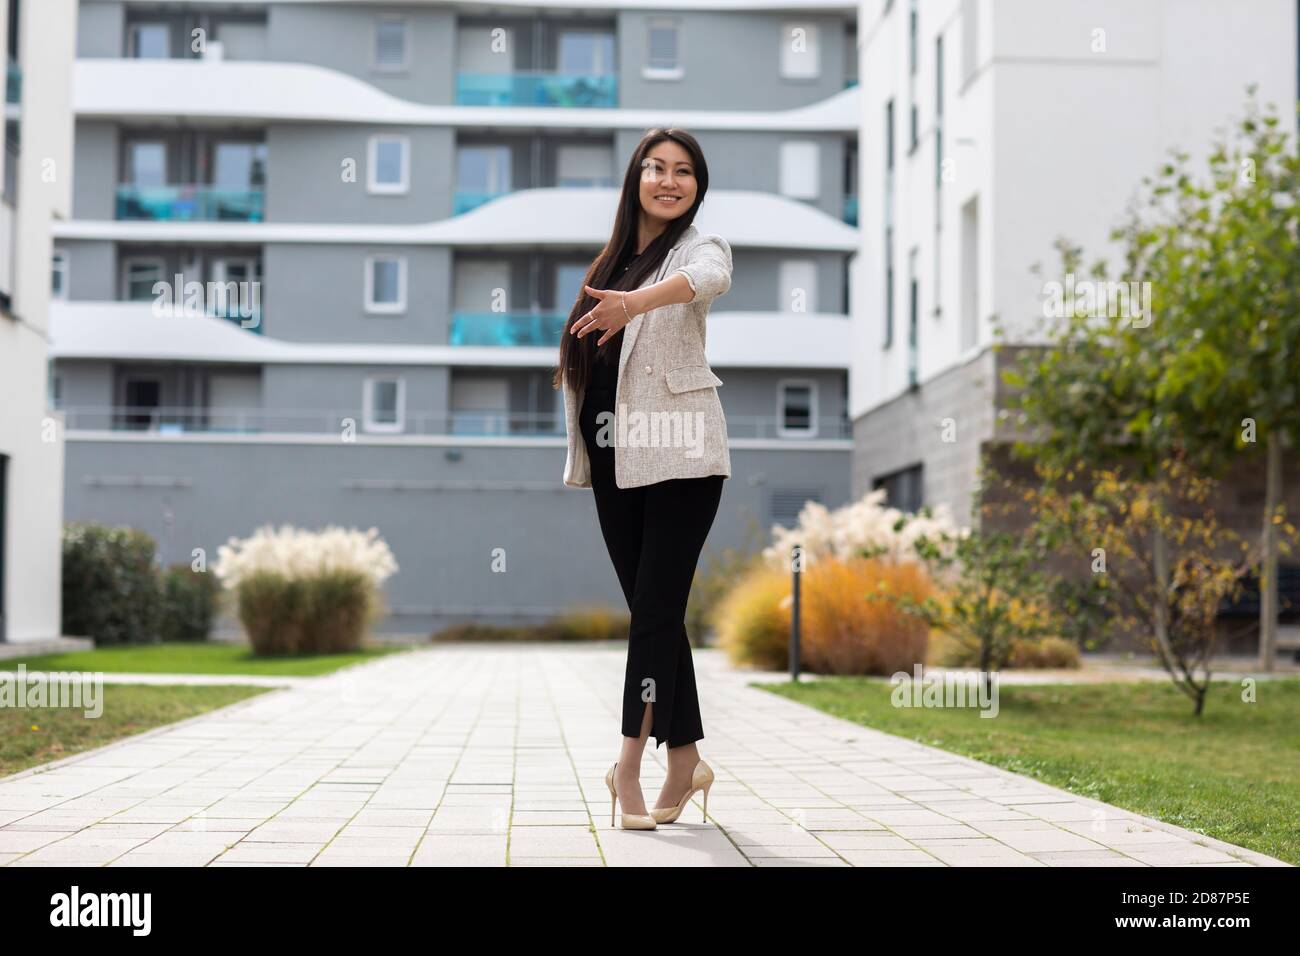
1210 368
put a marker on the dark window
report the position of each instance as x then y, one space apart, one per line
938 112
903 489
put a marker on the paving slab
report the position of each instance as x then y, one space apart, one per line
495 755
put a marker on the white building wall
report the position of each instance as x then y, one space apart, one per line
1049 136
31 436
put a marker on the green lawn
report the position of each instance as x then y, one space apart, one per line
1233 774
35 735
180 657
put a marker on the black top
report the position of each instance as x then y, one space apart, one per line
604 370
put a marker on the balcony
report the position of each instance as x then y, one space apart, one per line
507 328
189 203
236 316
465 200
588 90
182 420
850 213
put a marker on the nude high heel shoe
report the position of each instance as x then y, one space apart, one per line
701 779
628 821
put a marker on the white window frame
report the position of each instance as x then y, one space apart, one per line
368 405
649 72
373 185
813 404
803 66
60 263
797 182
385 308
375 65
137 260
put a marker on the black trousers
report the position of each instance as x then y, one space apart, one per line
654 535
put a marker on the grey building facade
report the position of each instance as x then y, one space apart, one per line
414 190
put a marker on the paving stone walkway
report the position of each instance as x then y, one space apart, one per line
495 755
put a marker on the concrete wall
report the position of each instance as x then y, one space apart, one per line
441 516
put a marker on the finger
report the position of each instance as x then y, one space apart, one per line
598 293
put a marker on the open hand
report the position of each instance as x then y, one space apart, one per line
607 315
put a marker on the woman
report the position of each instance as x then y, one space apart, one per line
656 488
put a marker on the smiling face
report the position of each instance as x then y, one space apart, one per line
668 185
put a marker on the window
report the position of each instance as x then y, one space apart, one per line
913 313
586 52
798 281
388 169
796 408
583 165
139 276
913 58
384 404
143 403
889 225
146 163
148 41
59 274
239 165
800 51
386 284
390 44
569 278
483 169
663 50
889 288
912 40
904 489
889 136
480 406
800 165
938 118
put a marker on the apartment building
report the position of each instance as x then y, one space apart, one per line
414 190
35 169
991 128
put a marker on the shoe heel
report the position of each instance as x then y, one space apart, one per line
705 817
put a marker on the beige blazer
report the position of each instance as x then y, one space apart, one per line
669 420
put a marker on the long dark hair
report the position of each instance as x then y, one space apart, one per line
578 355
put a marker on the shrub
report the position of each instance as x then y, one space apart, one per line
473 631
590 622
190 603
112 591
306 592
844 630
752 620
864 528
717 574
1054 652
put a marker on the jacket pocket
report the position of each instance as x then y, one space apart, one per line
684 378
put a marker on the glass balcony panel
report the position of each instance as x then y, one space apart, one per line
183 203
507 328
537 89
467 199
